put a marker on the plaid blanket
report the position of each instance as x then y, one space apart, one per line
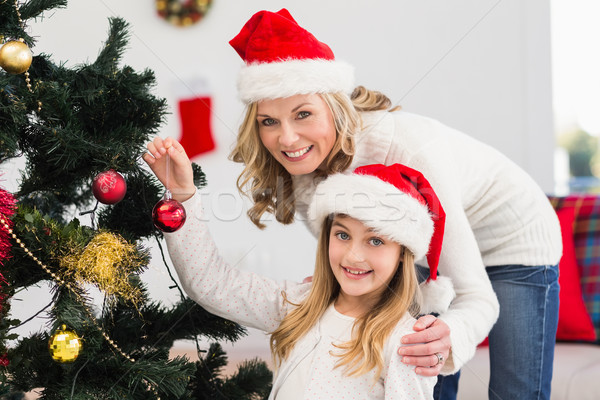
586 235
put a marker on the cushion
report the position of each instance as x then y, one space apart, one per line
586 235
574 322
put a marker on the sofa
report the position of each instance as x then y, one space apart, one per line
577 351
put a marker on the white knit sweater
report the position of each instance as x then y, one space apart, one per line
495 213
257 302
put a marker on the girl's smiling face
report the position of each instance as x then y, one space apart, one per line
363 263
298 131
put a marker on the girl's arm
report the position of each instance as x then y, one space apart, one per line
171 165
240 296
400 380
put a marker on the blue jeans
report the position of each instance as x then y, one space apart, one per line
522 341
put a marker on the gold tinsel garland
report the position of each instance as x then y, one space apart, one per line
106 261
69 286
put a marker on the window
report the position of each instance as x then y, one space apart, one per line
576 94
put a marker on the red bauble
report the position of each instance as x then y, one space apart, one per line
168 215
109 187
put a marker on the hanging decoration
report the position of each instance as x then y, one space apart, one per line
15 57
64 345
196 131
168 214
182 12
109 187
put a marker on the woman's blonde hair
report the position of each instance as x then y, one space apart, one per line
364 351
267 183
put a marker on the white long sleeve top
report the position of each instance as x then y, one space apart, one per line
495 213
255 301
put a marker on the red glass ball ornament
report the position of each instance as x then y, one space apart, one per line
168 215
109 187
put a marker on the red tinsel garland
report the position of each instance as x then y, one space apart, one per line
7 209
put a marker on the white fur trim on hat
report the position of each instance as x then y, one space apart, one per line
378 205
286 78
436 295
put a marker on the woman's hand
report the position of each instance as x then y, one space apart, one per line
180 178
432 338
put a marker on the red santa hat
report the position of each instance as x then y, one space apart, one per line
397 202
283 59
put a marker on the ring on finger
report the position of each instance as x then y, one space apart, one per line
440 358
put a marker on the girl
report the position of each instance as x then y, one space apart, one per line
337 336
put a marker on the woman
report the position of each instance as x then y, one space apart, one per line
302 125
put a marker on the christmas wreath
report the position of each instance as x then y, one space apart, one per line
182 12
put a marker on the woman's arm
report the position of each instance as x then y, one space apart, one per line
432 338
431 148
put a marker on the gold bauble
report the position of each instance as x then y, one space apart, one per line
15 57
64 345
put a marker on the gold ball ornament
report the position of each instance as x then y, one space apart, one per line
64 345
15 57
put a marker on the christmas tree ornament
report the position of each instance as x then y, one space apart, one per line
168 214
64 345
106 262
15 57
109 187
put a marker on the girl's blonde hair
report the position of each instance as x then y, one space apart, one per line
364 351
267 183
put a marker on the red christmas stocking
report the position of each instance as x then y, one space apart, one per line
196 133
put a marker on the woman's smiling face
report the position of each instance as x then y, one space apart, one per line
298 131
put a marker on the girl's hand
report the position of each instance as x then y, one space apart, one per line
432 338
180 179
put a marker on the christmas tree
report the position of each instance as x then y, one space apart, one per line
82 131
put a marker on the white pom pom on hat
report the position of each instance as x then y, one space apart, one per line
398 202
283 59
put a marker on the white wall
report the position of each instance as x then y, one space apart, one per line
481 66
